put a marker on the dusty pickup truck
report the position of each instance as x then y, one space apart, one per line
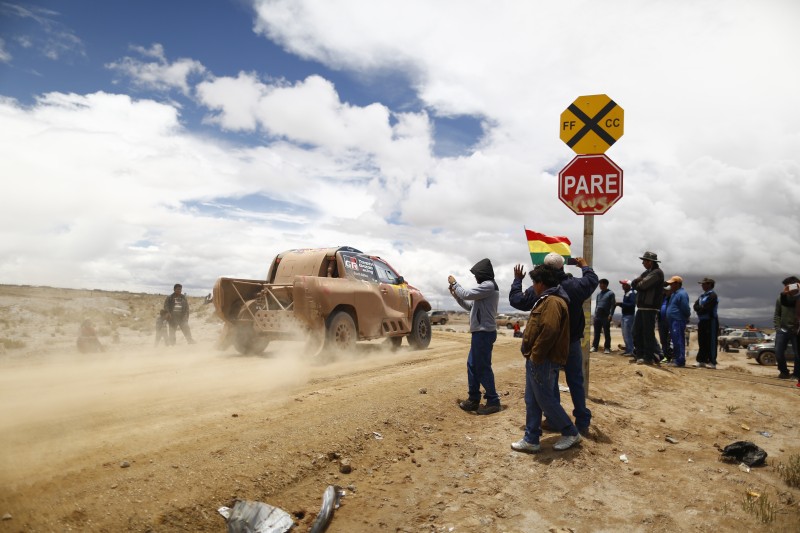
329 297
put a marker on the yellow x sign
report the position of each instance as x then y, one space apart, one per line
591 124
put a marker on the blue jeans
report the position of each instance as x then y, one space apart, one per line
677 334
540 381
573 371
627 332
479 367
782 340
644 334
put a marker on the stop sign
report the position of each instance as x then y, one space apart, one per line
590 184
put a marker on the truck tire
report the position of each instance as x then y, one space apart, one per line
420 336
247 341
341 334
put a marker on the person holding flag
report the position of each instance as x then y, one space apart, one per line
578 290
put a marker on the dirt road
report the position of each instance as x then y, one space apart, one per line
143 439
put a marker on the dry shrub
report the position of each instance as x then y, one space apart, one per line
790 472
758 504
12 344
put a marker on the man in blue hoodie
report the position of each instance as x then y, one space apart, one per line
481 302
578 290
678 313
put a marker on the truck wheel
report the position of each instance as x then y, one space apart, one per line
734 344
509 325
341 334
247 341
766 358
443 322
420 336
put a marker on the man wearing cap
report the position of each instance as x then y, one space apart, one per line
628 307
604 306
650 286
678 313
707 325
578 290
787 326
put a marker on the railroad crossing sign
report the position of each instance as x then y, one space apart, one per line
590 184
591 124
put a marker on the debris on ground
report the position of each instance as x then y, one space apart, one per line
330 502
744 451
255 517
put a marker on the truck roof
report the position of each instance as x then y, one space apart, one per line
303 262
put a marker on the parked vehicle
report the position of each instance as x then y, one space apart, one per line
332 297
741 337
506 321
764 353
438 317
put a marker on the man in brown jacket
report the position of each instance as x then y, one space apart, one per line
545 346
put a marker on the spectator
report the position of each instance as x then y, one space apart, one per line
663 327
787 327
707 326
177 307
481 302
650 286
578 290
628 308
678 313
87 338
161 327
517 330
603 311
545 346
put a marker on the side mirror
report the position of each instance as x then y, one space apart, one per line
400 280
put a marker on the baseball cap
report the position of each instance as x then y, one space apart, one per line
675 279
553 260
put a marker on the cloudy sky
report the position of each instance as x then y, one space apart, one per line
148 142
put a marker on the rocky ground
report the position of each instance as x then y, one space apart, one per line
157 439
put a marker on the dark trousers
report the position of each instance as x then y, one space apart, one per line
479 367
644 334
602 323
707 341
184 327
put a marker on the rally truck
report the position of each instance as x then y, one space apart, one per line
328 297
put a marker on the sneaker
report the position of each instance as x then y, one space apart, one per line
584 432
566 442
488 409
525 447
675 365
700 365
469 405
784 375
627 354
592 349
640 361
712 366
607 351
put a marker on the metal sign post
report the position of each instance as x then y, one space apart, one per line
591 183
588 253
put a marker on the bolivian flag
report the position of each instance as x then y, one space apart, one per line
540 245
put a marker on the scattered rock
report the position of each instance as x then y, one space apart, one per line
639 373
423 391
235 415
124 464
671 440
7 516
345 467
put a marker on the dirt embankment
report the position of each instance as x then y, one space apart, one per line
156 439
